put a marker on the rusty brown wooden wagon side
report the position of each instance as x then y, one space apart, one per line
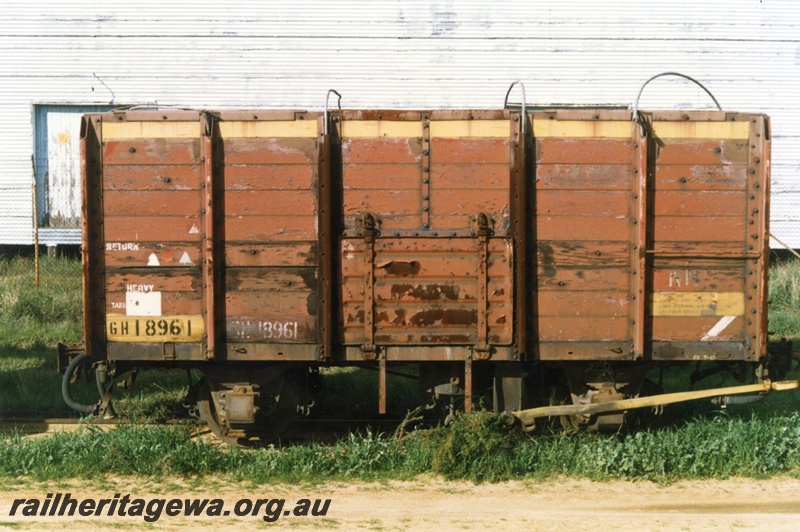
476 243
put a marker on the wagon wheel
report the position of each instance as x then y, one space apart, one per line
267 428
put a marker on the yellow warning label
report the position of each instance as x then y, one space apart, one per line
146 329
698 304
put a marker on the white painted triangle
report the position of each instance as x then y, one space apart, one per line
186 259
153 260
194 230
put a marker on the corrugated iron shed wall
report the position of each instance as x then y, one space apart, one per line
402 53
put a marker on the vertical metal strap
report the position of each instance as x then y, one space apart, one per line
482 229
367 225
757 238
468 385
519 232
639 252
93 255
326 243
426 172
209 235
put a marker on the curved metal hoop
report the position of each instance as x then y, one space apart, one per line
505 103
636 105
338 104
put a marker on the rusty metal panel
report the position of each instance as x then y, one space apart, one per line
426 291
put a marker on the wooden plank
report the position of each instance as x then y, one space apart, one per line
582 203
451 202
270 151
301 279
151 130
270 203
578 279
153 280
470 176
172 303
582 303
472 151
151 177
699 203
701 130
584 151
268 329
152 151
270 176
454 129
271 254
582 128
694 329
700 177
688 229
268 129
582 329
382 151
152 229
147 203
711 152
697 303
694 277
270 228
381 202
582 228
273 304
583 176
142 254
382 176
572 253
370 129
155 329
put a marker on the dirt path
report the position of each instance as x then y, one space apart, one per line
432 504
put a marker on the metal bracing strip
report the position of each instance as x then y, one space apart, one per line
763 171
368 226
93 256
426 171
639 255
519 230
209 246
468 385
326 243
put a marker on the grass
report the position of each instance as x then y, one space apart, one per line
475 447
696 440
784 297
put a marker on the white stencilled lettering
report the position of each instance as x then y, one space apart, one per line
139 287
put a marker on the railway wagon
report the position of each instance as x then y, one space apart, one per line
548 255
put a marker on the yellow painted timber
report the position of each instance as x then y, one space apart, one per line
370 129
150 130
698 304
455 129
154 329
609 129
702 130
269 129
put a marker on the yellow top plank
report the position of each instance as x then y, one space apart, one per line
613 129
150 130
370 129
454 129
702 130
269 129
